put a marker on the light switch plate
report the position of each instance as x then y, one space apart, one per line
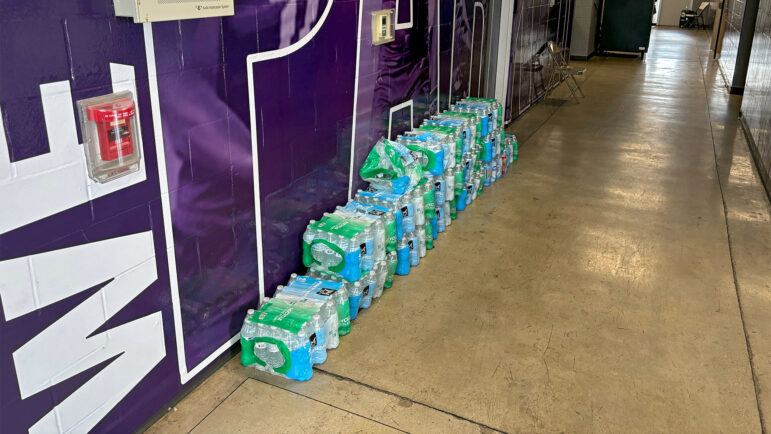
382 26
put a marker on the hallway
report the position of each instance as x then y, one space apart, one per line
602 295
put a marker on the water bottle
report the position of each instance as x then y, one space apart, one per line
458 190
367 250
440 223
414 254
356 294
403 257
381 274
422 241
428 230
449 183
438 185
515 150
447 213
368 289
416 196
318 341
391 262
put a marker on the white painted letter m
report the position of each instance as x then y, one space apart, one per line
64 349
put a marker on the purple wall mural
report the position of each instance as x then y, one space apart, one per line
115 296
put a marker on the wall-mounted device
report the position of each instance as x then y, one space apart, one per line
166 10
382 26
110 136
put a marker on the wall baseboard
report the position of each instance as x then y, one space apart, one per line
582 58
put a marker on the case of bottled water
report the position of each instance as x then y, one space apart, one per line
382 221
390 166
484 111
335 291
460 124
495 105
355 290
473 119
430 152
280 338
450 137
325 322
401 206
339 245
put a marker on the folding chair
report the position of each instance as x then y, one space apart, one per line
566 72
697 19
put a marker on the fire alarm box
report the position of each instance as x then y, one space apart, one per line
110 135
382 26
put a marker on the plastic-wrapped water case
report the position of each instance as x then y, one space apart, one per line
325 323
490 109
391 167
400 205
495 105
355 290
461 124
483 111
426 150
451 138
474 119
383 224
280 337
339 245
334 292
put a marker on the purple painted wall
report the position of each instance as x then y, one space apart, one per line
211 190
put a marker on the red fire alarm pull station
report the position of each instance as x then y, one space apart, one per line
113 124
110 135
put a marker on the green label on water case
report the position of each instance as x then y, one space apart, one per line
284 315
340 225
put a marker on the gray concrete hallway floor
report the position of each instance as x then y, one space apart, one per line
618 280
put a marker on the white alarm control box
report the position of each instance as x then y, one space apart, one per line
143 11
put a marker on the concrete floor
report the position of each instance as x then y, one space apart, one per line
617 281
